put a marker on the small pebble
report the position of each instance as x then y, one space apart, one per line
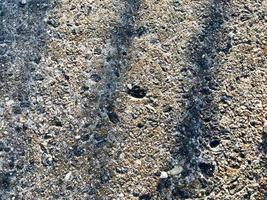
68 176
176 170
77 137
163 175
23 2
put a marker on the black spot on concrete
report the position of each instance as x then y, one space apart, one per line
206 168
113 117
104 176
18 129
56 122
11 162
215 143
20 164
65 76
140 125
78 151
137 92
95 77
85 137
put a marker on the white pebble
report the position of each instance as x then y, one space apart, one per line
68 176
23 1
77 137
163 175
176 170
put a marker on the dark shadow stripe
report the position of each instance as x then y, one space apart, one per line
117 65
117 59
22 36
200 123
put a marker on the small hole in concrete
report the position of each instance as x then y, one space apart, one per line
215 143
137 92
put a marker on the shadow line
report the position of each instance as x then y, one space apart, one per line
116 65
200 124
22 40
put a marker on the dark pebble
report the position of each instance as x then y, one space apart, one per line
78 151
53 23
12 163
100 137
104 176
18 129
95 77
85 137
91 191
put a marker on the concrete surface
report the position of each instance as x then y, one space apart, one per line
133 99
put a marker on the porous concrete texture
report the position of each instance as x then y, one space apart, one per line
133 99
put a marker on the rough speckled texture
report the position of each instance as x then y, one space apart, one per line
99 99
